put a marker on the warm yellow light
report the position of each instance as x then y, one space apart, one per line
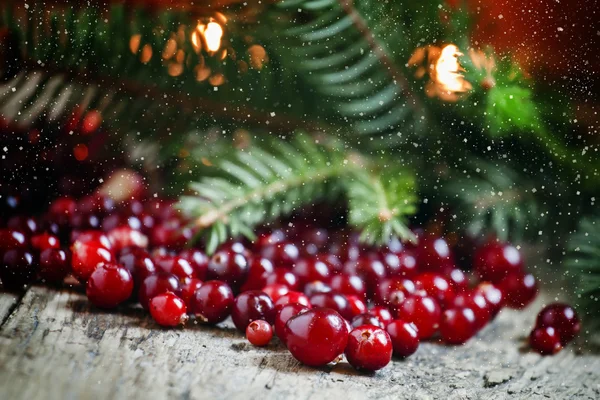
212 36
448 71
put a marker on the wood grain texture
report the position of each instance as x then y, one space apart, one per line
54 346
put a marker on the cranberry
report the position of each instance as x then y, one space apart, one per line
423 311
250 306
139 263
283 254
10 239
457 325
282 315
383 314
170 234
81 221
259 333
198 260
115 221
168 310
370 270
545 340
45 241
478 304
458 280
366 319
312 239
55 265
177 266
562 318
293 297
212 303
17 268
369 348
404 336
157 284
494 261
62 208
333 300
228 266
393 291
493 295
94 237
26 225
270 238
437 287
258 272
348 285
356 304
317 336
433 254
310 269
109 285
276 290
189 288
283 277
314 287
86 256
402 264
236 247
519 289
332 261
124 236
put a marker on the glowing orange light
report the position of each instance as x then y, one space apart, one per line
448 71
212 33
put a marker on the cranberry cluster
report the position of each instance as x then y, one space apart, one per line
321 292
556 325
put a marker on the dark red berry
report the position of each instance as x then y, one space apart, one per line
404 336
139 263
370 270
519 289
348 285
259 333
212 303
334 263
283 277
356 304
189 288
457 325
458 280
494 261
27 225
436 286
391 292
314 287
124 236
283 254
366 319
198 260
333 300
168 310
562 318
310 269
228 266
477 303
283 313
433 254
177 266
293 297
383 314
316 337
109 285
170 234
251 306
423 311
44 241
10 239
402 264
18 268
154 285
369 348
545 340
55 265
260 269
275 291
270 238
492 294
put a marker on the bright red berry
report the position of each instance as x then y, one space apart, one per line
139 263
282 254
401 264
212 303
171 234
457 325
333 300
109 285
189 288
370 270
366 319
168 310
391 292
198 260
562 318
282 315
251 306
259 333
477 303
423 311
545 340
492 294
293 297
90 249
157 284
311 269
369 348
174 265
125 236
349 286
316 337
494 261
283 277
276 290
258 272
383 314
404 336
55 265
10 239
436 286
356 305
44 241
519 289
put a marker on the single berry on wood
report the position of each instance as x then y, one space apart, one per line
369 348
168 310
212 302
251 306
562 318
259 333
404 336
545 340
109 285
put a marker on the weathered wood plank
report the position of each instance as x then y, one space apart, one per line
8 301
55 347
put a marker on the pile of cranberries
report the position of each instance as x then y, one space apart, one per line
320 292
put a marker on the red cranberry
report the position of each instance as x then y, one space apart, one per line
316 337
139 263
212 303
115 221
283 254
228 266
310 269
250 306
154 285
282 315
356 304
283 277
275 291
334 263
94 237
404 336
86 256
333 300
45 241
10 239
369 348
168 310
55 265
62 208
391 292
293 297
26 225
188 289
259 333
348 285
81 221
124 236
494 261
366 319
312 239
433 254
162 209
545 340
436 286
477 303
457 325
270 238
402 264
423 311
519 289
370 270
314 287
458 280
236 247
258 272
109 285
177 266
562 318
170 234
17 269
493 295
198 260
383 314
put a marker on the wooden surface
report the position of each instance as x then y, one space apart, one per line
54 346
